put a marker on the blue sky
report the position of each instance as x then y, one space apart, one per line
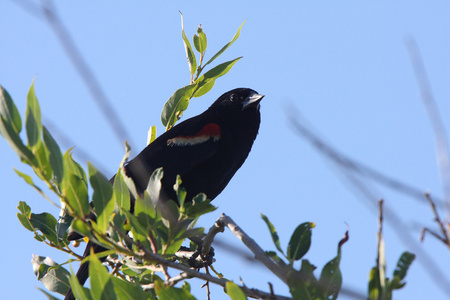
344 67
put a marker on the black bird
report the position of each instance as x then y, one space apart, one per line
206 151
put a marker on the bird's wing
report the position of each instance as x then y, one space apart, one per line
178 150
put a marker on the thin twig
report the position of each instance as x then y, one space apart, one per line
271 288
364 191
445 234
424 230
65 141
83 69
442 152
171 282
68 250
152 241
299 125
208 292
166 274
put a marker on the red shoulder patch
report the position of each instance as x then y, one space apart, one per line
209 131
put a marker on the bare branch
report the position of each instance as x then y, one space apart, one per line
254 247
172 281
300 126
83 69
352 175
209 238
381 260
148 255
424 230
444 231
442 153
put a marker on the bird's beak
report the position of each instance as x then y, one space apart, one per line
252 100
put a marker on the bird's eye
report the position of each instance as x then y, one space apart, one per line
233 97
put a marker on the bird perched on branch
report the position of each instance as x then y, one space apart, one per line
206 151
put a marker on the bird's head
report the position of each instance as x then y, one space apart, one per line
238 100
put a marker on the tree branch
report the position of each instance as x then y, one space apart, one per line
254 247
83 69
190 273
440 136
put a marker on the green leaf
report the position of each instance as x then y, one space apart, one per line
192 233
102 197
72 167
234 291
54 156
145 211
200 41
138 231
169 210
151 136
127 290
29 180
76 195
273 233
53 276
121 192
24 215
80 292
39 237
302 284
33 119
172 293
118 220
207 80
176 105
43 168
81 227
10 127
374 284
400 271
130 184
174 246
199 206
154 185
236 36
331 278
187 47
300 241
46 224
49 296
274 256
307 271
102 286
9 111
180 191
74 187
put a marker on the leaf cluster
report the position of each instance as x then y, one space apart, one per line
142 243
380 286
199 84
302 282
104 218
